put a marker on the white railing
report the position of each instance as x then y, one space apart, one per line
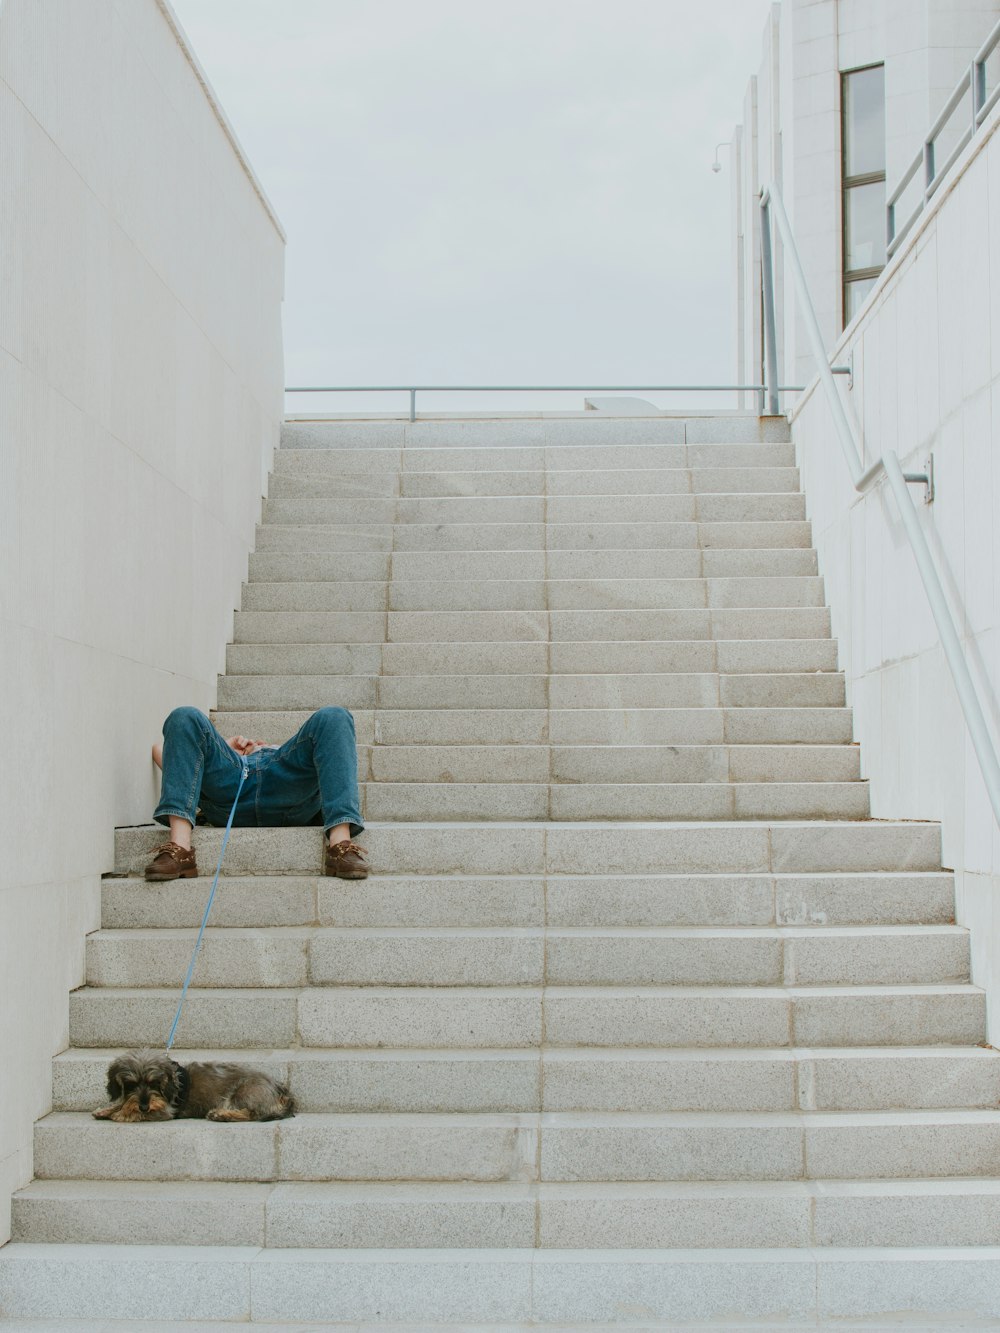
864 478
414 389
971 86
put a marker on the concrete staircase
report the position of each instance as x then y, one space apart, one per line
638 1022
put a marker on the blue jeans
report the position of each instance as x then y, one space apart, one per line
312 778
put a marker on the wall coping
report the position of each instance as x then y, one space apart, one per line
184 43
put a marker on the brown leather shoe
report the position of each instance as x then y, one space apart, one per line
346 860
171 861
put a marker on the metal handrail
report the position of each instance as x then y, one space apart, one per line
864 478
414 389
972 84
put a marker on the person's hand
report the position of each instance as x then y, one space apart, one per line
243 746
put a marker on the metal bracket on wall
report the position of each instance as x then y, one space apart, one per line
847 370
925 479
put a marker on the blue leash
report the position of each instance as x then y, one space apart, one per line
208 907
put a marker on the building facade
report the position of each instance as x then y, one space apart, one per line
839 105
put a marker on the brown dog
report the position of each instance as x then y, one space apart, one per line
148 1085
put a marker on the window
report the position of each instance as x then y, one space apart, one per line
862 100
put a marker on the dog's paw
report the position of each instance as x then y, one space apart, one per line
227 1114
105 1112
129 1114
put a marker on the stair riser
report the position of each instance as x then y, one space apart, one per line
513 1148
325 958
784 507
482 482
607 764
528 626
713 1152
455 900
413 801
560 567
373 1082
529 849
755 656
413 461
534 594
567 537
304 566
704 690
563 1289
285 1218
689 690
556 434
440 1019
608 727
339 1148
800 1019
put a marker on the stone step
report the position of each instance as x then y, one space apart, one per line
409 802
809 657
406 802
498 764
443 483
564 726
739 725
729 657
939 1287
530 626
588 1079
354 539
523 900
462 1216
291 461
526 848
491 1017
559 1146
355 567
344 484
606 764
289 693
324 566
573 429
759 507
595 536
310 659
293 956
498 594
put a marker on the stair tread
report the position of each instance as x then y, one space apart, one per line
553 932
737 1055
303 1121
418 1190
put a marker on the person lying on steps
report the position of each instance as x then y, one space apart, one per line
311 779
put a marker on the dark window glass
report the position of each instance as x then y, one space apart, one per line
864 122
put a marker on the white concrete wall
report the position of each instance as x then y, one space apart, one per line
140 399
927 378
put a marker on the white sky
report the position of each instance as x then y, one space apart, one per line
492 191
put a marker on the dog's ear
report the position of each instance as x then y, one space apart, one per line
116 1072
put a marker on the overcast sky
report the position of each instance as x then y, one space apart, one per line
492 191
